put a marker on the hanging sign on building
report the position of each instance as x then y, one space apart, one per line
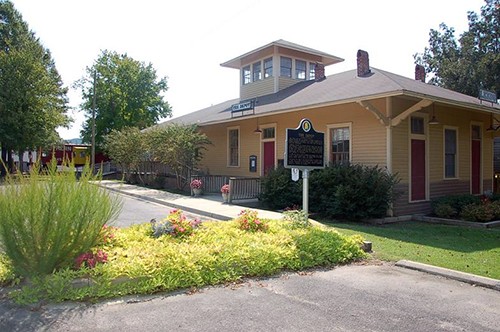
488 96
305 147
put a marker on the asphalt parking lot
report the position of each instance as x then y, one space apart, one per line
374 297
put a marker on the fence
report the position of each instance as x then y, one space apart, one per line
239 187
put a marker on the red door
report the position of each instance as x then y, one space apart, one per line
476 167
268 156
417 170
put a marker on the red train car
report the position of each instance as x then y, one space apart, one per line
78 154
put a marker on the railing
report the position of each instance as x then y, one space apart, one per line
239 187
244 188
211 183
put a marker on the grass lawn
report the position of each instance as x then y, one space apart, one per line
464 249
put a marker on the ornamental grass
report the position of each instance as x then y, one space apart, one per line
50 217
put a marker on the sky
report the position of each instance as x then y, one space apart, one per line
186 41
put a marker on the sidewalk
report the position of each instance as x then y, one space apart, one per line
210 206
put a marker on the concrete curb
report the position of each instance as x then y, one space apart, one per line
452 274
169 204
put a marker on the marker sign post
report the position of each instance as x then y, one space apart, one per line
304 150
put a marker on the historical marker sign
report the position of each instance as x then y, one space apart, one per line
305 147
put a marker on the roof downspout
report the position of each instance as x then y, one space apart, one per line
388 101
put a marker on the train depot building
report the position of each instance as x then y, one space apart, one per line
438 141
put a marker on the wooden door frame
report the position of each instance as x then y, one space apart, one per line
424 137
481 156
261 144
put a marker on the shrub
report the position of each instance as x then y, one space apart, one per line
176 225
483 212
249 221
297 218
456 202
49 219
91 259
444 211
352 191
340 191
279 191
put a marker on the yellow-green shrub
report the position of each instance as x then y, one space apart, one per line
217 252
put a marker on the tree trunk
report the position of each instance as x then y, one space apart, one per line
10 161
21 161
3 162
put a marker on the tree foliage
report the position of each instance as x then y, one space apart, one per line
126 147
33 100
470 62
128 94
178 146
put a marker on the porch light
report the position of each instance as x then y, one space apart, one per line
433 120
257 130
492 128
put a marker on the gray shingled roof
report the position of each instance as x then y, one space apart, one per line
337 89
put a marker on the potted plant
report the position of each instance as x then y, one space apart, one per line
225 193
196 185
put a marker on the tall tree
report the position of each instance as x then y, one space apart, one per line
33 101
128 94
470 62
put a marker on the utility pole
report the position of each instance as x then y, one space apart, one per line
92 162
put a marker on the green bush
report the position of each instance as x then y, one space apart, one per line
444 211
352 191
49 219
279 191
456 202
218 252
347 191
482 212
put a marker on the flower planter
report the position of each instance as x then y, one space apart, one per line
225 197
196 192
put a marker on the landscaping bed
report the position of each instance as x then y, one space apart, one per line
150 258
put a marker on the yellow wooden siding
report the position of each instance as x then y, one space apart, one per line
455 118
215 160
258 88
368 137
400 157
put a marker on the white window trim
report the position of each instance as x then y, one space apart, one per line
480 125
425 137
261 71
329 127
456 155
295 69
228 151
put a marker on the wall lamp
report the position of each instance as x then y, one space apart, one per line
493 126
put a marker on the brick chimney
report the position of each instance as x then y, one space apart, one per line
363 63
319 72
420 73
